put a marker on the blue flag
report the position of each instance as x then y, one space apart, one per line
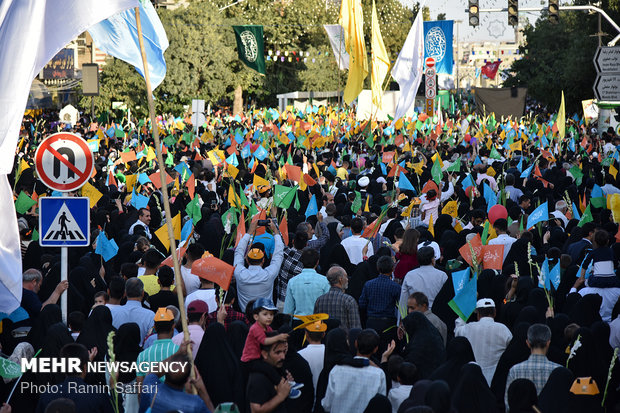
543 280
527 172
139 201
438 44
118 37
261 153
464 303
554 275
245 151
232 160
467 182
187 229
312 207
538 215
520 165
143 179
576 212
105 247
459 279
403 183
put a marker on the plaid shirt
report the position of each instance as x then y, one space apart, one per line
322 239
340 306
379 297
231 315
537 368
291 266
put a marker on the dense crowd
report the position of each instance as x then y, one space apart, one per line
459 263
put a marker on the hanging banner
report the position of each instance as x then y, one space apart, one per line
438 44
250 46
336 39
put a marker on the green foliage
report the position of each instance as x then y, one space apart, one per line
559 57
202 57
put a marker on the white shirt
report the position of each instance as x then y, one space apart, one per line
559 215
191 281
142 224
349 389
314 354
426 279
398 395
354 245
614 334
488 339
505 240
383 226
609 189
208 296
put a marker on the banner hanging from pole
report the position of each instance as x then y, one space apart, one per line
251 46
438 44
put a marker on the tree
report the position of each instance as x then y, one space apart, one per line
559 57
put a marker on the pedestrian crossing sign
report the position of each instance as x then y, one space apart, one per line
64 222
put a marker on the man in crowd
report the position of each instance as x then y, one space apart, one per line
488 338
132 311
143 222
191 282
501 229
291 265
419 302
426 279
255 281
336 303
31 284
354 245
304 288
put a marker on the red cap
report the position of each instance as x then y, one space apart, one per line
198 306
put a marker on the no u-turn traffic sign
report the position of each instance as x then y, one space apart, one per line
64 162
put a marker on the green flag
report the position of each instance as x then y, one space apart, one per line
455 167
586 217
193 210
170 141
436 171
494 153
576 173
357 203
283 196
230 216
24 203
250 46
297 205
9 369
244 199
485 233
253 210
35 234
169 159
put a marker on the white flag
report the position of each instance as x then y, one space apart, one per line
31 33
409 67
336 39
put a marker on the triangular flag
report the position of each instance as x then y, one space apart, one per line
92 193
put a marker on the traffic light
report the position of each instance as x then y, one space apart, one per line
513 12
554 11
474 13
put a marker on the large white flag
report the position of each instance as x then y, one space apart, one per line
31 33
409 67
336 39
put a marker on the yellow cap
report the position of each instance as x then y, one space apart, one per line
163 314
256 254
317 327
264 188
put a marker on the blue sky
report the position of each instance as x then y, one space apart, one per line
493 26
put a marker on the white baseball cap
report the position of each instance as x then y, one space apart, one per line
485 303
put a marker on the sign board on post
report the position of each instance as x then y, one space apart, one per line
64 162
64 222
607 59
198 113
430 85
607 87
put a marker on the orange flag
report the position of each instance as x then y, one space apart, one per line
284 229
476 244
293 172
371 229
191 186
240 228
215 270
112 180
492 257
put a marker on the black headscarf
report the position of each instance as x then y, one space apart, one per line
379 404
522 396
472 393
530 315
236 333
516 352
416 396
127 348
220 367
554 396
511 310
518 254
334 239
96 329
425 348
57 337
459 353
300 370
586 310
438 397
49 315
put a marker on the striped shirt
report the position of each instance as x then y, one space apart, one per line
537 368
159 351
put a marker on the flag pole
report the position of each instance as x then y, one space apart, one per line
164 190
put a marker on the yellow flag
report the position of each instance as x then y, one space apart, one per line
431 227
491 172
366 209
352 22
380 60
130 181
316 168
417 167
92 193
150 155
561 119
233 198
302 183
233 171
162 235
451 208
435 157
176 226
258 181
515 146
612 170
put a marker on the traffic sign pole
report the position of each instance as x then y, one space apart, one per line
430 85
64 273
